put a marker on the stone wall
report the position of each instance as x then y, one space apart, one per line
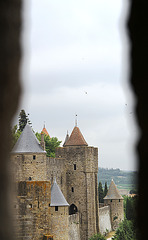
104 219
81 165
74 227
32 209
116 211
55 167
29 166
59 223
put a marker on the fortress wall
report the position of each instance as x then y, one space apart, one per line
104 219
59 223
32 210
74 227
55 167
29 167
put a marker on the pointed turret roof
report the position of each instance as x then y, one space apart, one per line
66 139
57 197
113 192
44 130
76 138
27 142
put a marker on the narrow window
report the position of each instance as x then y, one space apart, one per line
119 200
111 200
72 189
49 205
38 204
30 205
61 180
30 178
34 157
74 166
56 208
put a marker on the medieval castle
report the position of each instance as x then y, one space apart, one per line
57 198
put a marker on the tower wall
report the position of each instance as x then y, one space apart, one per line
116 211
59 223
81 182
32 209
29 166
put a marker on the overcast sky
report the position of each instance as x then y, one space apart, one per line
76 62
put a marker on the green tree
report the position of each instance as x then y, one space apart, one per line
125 231
50 144
100 192
97 236
15 134
23 120
105 189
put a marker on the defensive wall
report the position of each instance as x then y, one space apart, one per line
74 227
105 219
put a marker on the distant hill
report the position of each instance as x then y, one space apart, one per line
123 179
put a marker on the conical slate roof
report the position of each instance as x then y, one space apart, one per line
57 197
76 138
66 139
27 142
113 192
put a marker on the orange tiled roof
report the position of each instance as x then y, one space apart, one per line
45 131
76 138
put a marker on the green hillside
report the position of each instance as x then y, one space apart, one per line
123 179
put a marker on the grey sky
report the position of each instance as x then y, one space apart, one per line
73 47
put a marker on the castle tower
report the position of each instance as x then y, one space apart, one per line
44 131
81 181
115 201
33 190
28 157
59 214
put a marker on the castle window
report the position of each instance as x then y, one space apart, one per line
56 208
34 157
72 189
119 200
111 200
74 166
30 178
30 205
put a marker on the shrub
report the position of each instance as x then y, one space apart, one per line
97 236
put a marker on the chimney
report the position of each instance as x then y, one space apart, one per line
42 141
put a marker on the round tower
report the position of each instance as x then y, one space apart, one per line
28 157
59 213
115 201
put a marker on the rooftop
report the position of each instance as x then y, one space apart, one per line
113 192
44 130
57 197
27 142
76 138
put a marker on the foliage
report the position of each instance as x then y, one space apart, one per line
125 231
23 119
131 208
124 179
101 193
15 134
105 189
50 144
97 236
